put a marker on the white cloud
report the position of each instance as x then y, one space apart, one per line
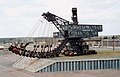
22 14
11 12
1 1
20 11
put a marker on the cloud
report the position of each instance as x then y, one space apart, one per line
23 14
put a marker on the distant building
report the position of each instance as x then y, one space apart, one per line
101 41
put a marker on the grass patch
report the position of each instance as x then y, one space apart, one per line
108 52
100 54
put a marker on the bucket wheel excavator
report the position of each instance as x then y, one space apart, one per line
73 35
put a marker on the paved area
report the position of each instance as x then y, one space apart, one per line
94 73
32 64
107 48
6 70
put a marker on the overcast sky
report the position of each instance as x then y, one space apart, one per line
18 17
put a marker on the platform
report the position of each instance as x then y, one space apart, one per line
59 65
7 70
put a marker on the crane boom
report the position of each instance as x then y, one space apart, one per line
57 21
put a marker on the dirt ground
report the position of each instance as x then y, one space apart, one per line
6 70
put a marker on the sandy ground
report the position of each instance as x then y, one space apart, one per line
6 70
